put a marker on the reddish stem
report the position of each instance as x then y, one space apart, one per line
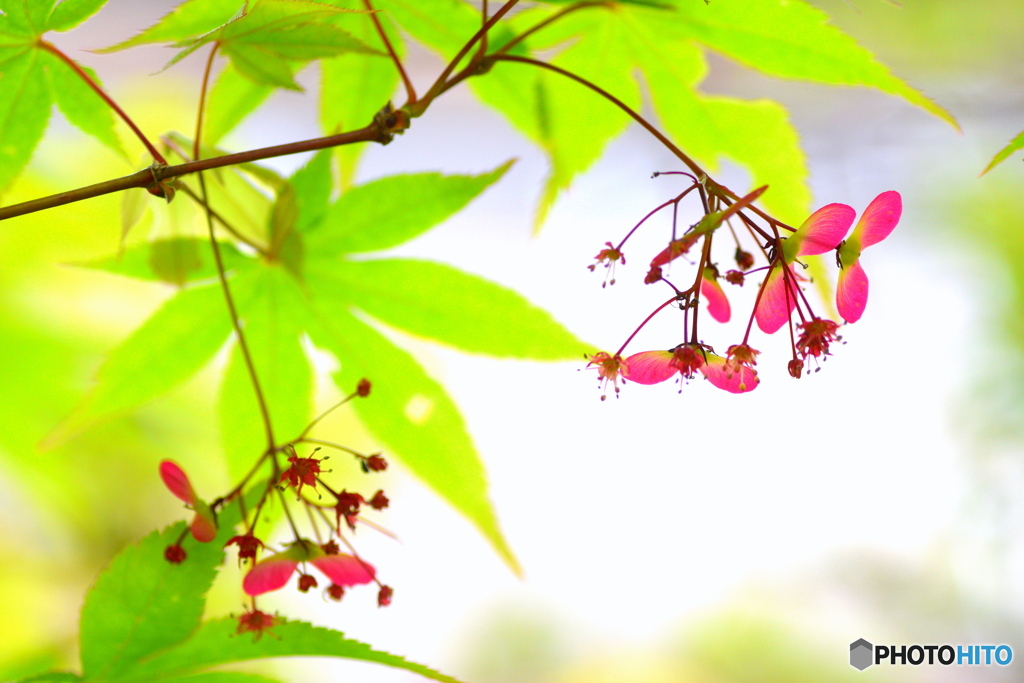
646 320
52 49
410 92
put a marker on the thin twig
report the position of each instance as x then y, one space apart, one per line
410 92
439 85
553 18
52 49
220 219
690 163
221 274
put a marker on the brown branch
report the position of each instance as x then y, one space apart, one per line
439 85
148 177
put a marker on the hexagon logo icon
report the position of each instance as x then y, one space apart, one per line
861 652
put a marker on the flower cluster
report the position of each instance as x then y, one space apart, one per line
780 302
271 570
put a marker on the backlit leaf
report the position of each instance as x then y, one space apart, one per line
176 260
1003 154
142 603
790 38
70 13
387 212
80 103
355 86
174 343
215 643
190 18
24 112
412 415
221 677
272 311
232 98
440 302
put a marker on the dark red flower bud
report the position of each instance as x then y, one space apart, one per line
330 548
335 592
363 388
384 596
175 554
796 368
348 507
306 581
257 622
348 503
379 501
744 259
734 277
375 463
653 275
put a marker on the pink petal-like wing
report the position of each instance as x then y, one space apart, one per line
176 481
727 377
649 367
825 229
268 575
879 219
718 304
777 301
852 292
345 570
203 528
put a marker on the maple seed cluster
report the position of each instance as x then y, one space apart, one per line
271 570
780 301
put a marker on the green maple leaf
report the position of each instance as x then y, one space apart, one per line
32 78
264 40
142 621
1004 154
316 281
663 41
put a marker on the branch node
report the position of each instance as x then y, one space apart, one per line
160 188
390 122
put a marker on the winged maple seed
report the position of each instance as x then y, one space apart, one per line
780 301
275 570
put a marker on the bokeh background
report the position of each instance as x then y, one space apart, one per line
667 536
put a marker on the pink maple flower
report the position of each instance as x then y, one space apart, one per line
609 369
274 572
821 232
875 224
652 367
204 525
718 303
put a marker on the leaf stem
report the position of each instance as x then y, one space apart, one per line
220 219
550 20
73 65
221 275
410 92
646 320
690 163
482 51
440 85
